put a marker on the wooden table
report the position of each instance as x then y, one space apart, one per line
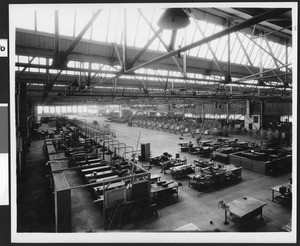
98 190
276 189
89 161
244 209
157 189
171 163
155 178
97 169
51 149
102 174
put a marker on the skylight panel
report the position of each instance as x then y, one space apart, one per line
66 21
132 16
234 49
180 37
101 26
143 33
45 20
290 55
255 56
268 62
115 16
25 18
278 50
209 30
166 36
281 56
83 16
214 45
154 45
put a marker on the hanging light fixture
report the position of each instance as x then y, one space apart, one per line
173 19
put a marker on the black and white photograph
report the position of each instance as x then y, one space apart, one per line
153 122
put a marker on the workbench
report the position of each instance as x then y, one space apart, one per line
203 163
286 196
243 209
96 168
98 190
216 177
154 178
157 190
102 174
171 163
50 149
88 161
182 170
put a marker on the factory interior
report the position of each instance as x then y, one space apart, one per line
154 119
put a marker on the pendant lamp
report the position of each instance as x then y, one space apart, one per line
173 19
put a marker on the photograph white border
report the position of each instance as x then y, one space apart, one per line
139 237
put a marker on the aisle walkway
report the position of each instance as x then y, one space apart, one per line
35 207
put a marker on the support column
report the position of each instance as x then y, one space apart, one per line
227 112
261 113
23 124
247 115
203 114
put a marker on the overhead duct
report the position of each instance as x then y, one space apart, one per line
173 19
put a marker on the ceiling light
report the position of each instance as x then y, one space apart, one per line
173 19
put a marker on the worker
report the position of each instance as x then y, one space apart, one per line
190 145
199 140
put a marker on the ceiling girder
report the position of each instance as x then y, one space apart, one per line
235 28
65 55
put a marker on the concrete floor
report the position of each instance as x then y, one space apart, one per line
192 206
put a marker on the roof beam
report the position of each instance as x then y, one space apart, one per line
26 65
96 71
273 57
235 28
161 40
176 96
66 80
79 37
265 50
208 44
267 71
141 52
65 55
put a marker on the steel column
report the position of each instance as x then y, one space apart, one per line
124 41
56 58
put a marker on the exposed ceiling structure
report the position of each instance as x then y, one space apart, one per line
122 55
